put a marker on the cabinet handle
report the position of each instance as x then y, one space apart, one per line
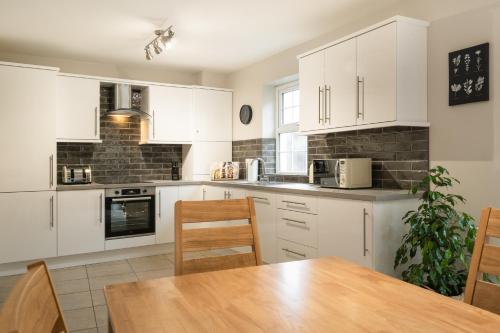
294 202
51 212
51 170
95 121
326 105
100 208
204 193
320 91
159 203
364 232
154 123
361 105
229 194
294 221
329 89
293 252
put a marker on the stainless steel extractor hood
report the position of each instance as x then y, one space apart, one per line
123 103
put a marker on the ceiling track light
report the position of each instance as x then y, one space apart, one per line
163 38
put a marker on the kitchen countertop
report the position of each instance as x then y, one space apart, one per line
285 188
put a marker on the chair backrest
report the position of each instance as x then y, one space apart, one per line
485 260
32 306
219 237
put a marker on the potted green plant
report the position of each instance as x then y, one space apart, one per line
436 250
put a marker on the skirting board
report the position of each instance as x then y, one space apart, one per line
90 258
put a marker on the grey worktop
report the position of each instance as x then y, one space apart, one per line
285 188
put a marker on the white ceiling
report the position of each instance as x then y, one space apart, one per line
217 35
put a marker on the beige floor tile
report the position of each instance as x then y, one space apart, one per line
101 315
80 319
6 285
75 300
150 263
90 330
103 329
70 273
98 297
101 281
109 268
155 274
71 286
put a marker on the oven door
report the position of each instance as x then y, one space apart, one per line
130 216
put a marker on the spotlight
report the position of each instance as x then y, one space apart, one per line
162 36
149 56
156 47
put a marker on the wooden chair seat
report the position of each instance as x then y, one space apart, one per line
32 306
214 238
485 260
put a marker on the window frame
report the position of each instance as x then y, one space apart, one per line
285 128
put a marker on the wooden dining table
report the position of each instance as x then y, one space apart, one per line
318 295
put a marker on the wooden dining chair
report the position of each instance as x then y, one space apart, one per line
485 260
32 306
218 237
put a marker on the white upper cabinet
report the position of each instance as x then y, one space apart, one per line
198 158
80 221
373 78
27 128
171 118
213 111
77 109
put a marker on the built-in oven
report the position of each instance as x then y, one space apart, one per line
130 212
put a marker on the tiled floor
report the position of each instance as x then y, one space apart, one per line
80 289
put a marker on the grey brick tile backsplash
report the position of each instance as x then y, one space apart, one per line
400 154
120 158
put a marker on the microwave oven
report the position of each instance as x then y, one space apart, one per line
346 173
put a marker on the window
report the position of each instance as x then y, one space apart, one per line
291 148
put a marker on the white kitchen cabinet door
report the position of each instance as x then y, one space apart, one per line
191 192
200 156
265 212
376 61
215 193
236 193
341 85
80 216
213 112
346 230
290 251
171 114
312 94
27 129
165 213
29 229
77 109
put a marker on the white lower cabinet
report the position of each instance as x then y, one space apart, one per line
265 211
166 197
80 216
28 222
297 227
191 192
290 251
346 230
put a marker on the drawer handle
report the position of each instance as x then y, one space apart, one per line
259 198
294 202
293 252
294 221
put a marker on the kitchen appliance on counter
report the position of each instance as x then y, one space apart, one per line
130 212
346 173
225 171
175 171
252 168
76 175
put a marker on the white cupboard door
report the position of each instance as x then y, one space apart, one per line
213 110
215 193
236 193
265 211
27 129
171 117
165 219
345 230
377 65
341 85
80 221
29 228
77 109
191 192
312 94
207 153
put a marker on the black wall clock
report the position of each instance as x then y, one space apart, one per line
246 114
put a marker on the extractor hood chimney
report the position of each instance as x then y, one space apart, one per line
123 103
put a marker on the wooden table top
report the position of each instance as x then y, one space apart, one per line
318 295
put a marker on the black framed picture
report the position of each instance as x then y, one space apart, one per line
469 75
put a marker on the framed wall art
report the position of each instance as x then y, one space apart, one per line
469 75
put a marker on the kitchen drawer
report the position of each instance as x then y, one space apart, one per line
297 227
290 251
298 203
